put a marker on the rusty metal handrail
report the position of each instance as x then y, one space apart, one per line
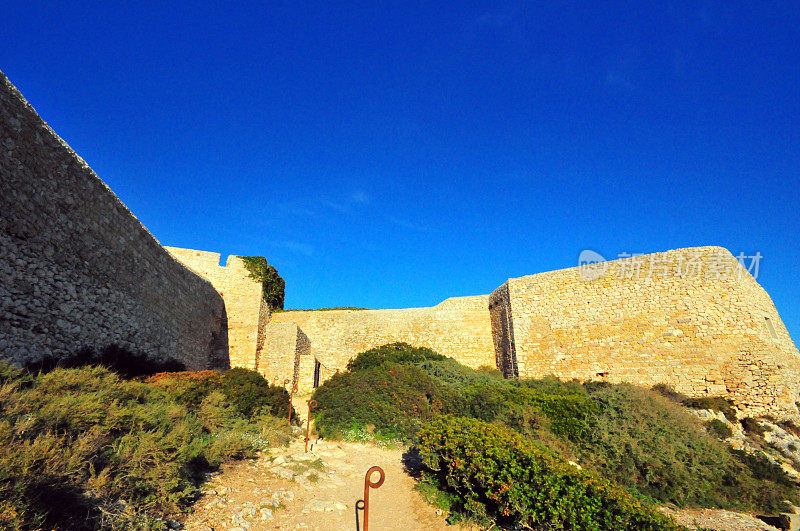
367 484
291 394
311 405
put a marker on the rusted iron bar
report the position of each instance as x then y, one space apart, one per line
311 405
367 484
291 394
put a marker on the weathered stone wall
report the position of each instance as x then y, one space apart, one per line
691 318
459 327
281 342
77 269
244 303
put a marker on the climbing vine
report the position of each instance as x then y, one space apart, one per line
274 285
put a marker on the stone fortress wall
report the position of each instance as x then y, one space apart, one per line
458 327
77 269
243 296
691 318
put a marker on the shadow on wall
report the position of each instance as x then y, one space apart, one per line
119 359
218 348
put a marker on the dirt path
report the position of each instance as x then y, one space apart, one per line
289 489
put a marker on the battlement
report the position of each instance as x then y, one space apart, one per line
246 309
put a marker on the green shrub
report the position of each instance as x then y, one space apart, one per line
452 373
273 284
392 400
764 469
669 392
495 472
714 403
649 444
719 429
402 353
753 427
76 441
644 441
568 409
248 393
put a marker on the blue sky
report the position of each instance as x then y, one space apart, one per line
393 155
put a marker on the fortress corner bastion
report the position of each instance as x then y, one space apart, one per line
691 318
77 270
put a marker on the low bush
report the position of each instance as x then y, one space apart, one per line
752 427
84 449
669 392
566 406
248 393
494 472
641 439
714 403
648 443
764 469
402 353
719 429
452 373
389 400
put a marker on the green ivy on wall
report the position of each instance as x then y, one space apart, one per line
274 285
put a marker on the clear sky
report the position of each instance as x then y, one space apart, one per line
393 155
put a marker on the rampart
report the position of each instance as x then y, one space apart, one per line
78 269
691 318
247 311
458 327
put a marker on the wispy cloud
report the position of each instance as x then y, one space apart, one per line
316 206
359 197
306 249
346 204
406 224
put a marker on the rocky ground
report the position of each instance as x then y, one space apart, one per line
289 489
718 520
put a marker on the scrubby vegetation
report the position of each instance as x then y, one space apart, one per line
751 426
394 353
714 403
643 441
520 484
719 428
352 403
85 449
274 285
